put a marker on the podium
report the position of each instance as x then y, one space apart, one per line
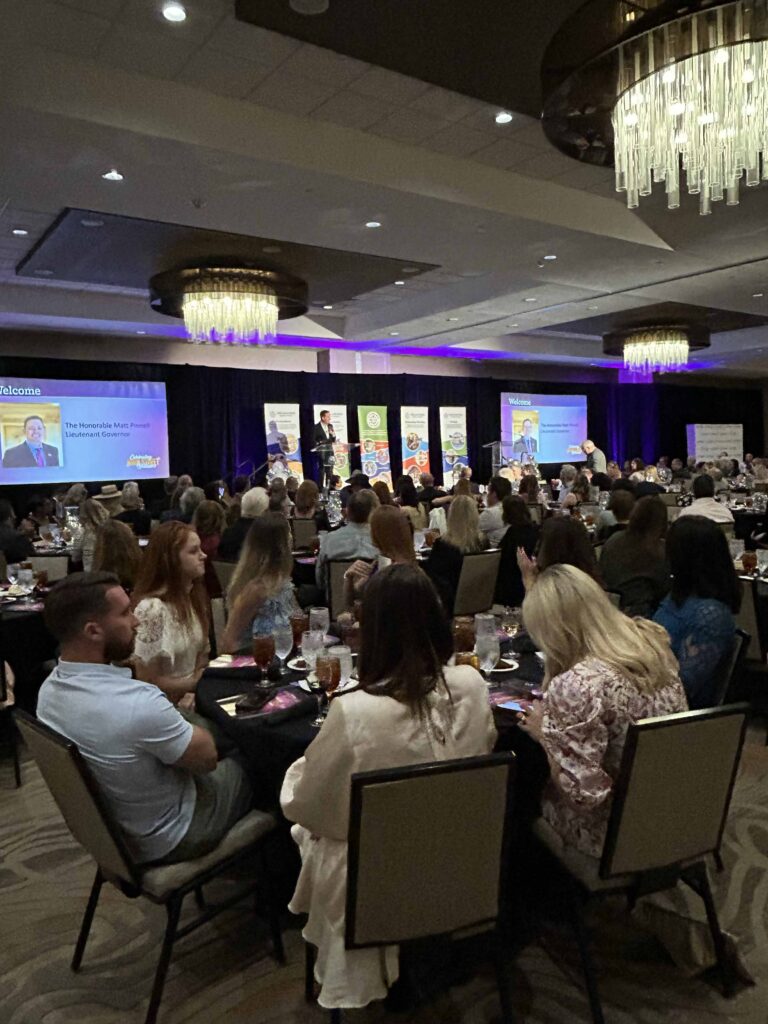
327 454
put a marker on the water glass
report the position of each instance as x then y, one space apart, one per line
344 654
319 619
762 562
485 625
12 573
26 579
511 621
283 637
311 646
736 548
488 653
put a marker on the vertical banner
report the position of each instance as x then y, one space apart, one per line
374 443
283 439
453 439
414 431
339 424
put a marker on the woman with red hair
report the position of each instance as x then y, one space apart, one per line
171 605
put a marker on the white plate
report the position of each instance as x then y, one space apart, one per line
297 665
506 665
303 684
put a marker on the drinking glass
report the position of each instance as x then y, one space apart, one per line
488 653
344 654
13 573
485 625
762 561
350 634
26 579
299 625
463 634
736 548
283 637
311 646
328 671
319 618
511 621
749 561
263 652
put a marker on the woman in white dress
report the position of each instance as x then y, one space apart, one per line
408 708
171 605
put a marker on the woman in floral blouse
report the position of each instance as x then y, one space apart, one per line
603 672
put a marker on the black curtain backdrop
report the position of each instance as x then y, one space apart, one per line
216 416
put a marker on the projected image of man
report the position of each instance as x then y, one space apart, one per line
32 451
526 444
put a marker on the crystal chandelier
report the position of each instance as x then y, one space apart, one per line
656 350
665 90
223 307
229 305
706 112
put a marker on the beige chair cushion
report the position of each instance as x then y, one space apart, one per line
159 882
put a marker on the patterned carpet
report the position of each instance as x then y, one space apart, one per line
224 972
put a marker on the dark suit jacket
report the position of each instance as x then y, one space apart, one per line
21 455
519 445
319 437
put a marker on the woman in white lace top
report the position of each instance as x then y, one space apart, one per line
172 608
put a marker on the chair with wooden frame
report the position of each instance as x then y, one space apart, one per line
477 582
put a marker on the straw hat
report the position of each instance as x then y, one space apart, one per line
110 495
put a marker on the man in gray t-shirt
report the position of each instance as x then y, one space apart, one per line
158 773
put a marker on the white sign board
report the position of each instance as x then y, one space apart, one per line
708 441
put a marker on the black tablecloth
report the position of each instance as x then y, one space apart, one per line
745 523
270 749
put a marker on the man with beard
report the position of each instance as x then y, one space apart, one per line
157 772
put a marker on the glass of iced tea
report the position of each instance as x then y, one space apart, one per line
350 634
749 561
299 625
263 651
430 537
463 634
328 672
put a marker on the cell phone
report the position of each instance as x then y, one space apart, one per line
221 492
513 705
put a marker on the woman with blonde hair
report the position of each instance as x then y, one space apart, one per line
462 537
92 516
603 672
260 595
133 512
117 551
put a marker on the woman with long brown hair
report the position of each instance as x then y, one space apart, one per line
392 534
171 605
409 707
208 521
117 551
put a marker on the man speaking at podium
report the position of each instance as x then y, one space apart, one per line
323 442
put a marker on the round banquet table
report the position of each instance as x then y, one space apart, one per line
26 645
270 743
746 521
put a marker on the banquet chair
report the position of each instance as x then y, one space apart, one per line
304 532
663 825
336 569
535 512
730 666
218 621
88 818
673 511
746 622
477 582
6 715
57 566
415 867
728 529
224 573
669 498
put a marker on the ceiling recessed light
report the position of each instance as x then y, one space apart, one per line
452 319
550 257
503 117
141 332
394 334
92 222
530 300
409 270
174 11
44 272
399 282
20 232
373 223
327 306
593 307
112 175
757 295
514 325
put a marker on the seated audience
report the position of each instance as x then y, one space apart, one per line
14 545
405 497
616 516
647 482
491 520
75 496
38 515
603 672
208 524
260 596
679 471
172 608
307 505
165 503
613 470
174 510
465 474
563 541
280 503
462 537
633 562
357 482
291 487
637 466
409 707
579 493
601 481
352 540
216 490
704 503
392 535
92 516
156 771
699 612
134 514
117 551
523 533
427 492
382 492
530 490
568 474
253 503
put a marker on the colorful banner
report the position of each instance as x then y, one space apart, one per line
453 440
283 439
414 432
374 443
339 424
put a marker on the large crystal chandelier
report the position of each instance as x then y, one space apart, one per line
706 112
656 350
226 306
229 305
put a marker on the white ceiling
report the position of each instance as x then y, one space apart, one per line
220 124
